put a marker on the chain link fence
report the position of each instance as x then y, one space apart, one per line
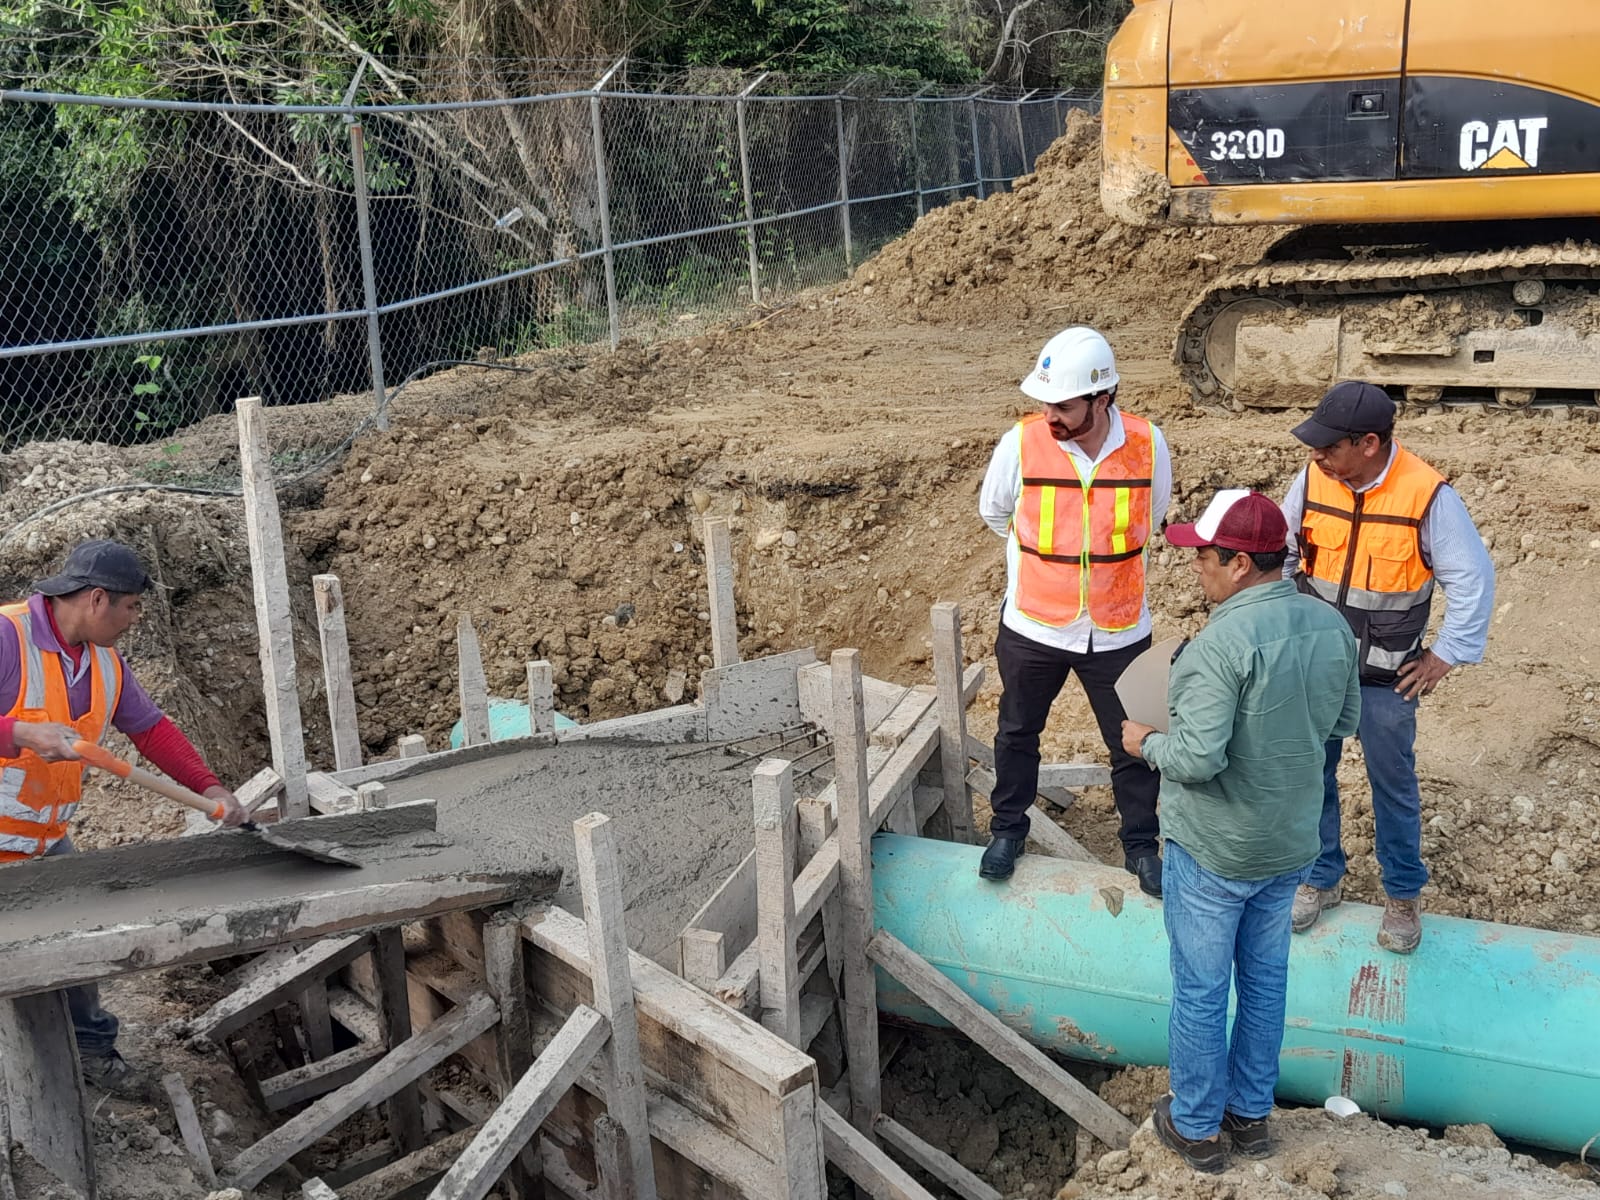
162 258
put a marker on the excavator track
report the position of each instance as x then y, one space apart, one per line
1305 285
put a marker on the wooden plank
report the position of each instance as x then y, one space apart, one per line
719 584
744 699
816 827
937 1163
315 1189
731 909
412 745
315 1019
8 1183
611 1159
266 784
194 1138
1058 776
773 785
402 1066
473 687
45 1089
1056 841
416 1168
315 1079
900 720
255 966
701 957
404 1109
541 698
328 796
600 879
273 987
1028 1062
800 1152
371 796
336 671
505 969
854 1153
983 754
855 888
355 1014
525 1108
724 1068
270 585
952 719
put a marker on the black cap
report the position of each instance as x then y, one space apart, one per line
101 564
1349 409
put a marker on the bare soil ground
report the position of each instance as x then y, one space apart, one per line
846 436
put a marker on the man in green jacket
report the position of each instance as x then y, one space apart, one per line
1254 700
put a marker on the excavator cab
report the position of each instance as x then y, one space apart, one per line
1441 159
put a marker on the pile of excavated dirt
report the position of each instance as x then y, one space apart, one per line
1047 249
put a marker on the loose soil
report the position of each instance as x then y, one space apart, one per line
845 436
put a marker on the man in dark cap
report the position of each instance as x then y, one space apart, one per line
1372 527
1253 700
62 680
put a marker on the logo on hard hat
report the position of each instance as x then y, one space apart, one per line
1045 364
1094 374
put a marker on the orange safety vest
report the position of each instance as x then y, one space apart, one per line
38 798
1362 553
1082 537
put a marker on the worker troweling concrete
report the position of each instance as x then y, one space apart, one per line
1076 490
61 680
1371 527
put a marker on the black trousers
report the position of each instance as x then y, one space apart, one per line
1031 677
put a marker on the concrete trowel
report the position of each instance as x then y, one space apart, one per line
318 848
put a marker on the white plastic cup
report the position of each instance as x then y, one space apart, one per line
1341 1106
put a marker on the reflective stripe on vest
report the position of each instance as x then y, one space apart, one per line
37 798
1362 553
1082 538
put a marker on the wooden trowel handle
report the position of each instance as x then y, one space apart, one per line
99 756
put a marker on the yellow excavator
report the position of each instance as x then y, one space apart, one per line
1439 160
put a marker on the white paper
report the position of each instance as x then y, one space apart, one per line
1143 686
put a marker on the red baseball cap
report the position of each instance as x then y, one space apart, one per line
1236 519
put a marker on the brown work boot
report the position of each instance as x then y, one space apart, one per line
1310 901
1402 925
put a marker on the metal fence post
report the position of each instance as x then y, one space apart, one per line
916 154
603 195
1022 133
977 151
369 279
844 181
749 194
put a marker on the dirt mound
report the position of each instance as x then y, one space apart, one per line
1048 246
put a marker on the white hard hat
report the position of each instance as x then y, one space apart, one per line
1076 362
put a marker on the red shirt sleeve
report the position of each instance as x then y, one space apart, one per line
164 745
8 744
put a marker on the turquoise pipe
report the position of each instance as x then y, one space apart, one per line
507 719
1483 1023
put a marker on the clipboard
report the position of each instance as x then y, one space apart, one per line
1142 687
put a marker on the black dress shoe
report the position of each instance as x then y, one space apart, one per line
1208 1155
1148 869
1000 859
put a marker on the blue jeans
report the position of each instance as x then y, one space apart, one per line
1223 930
1388 734
94 1027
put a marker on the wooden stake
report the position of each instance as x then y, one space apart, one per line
394 1015
600 879
702 957
816 827
978 1023
505 967
473 687
855 888
952 719
194 1139
773 785
413 745
402 1066
336 671
719 578
270 582
524 1110
541 698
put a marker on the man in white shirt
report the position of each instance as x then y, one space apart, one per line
1077 490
